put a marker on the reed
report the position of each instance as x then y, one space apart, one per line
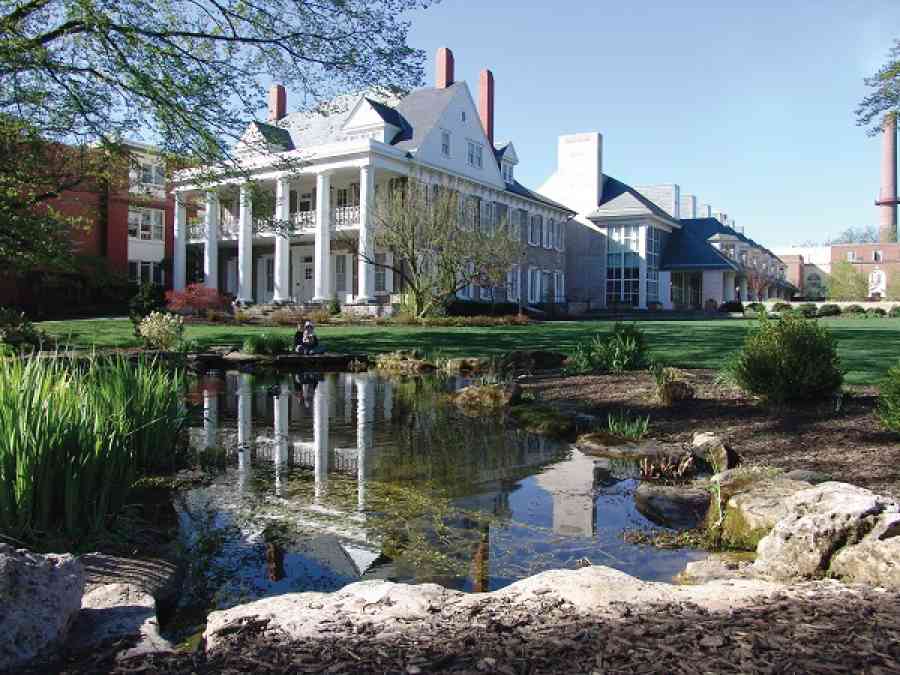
74 436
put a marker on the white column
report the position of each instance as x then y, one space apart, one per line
365 422
210 418
642 273
245 430
282 241
282 407
245 247
366 271
665 289
323 292
179 255
388 273
211 244
320 435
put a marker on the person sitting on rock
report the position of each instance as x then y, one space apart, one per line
306 341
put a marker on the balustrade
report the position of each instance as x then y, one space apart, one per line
345 216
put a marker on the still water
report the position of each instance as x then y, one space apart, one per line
334 478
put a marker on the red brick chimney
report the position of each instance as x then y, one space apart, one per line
887 200
486 103
277 102
444 61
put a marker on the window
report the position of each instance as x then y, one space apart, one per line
145 224
877 256
851 256
523 224
146 272
343 197
151 174
506 169
559 284
445 143
340 273
512 284
549 233
623 265
462 115
546 286
561 236
534 285
476 155
380 286
536 233
473 213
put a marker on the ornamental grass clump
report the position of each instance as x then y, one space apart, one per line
160 330
787 360
73 440
625 348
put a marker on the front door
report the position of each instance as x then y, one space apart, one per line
231 276
265 279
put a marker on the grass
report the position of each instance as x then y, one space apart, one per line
867 347
623 425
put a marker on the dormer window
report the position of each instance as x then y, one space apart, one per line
506 169
462 116
445 143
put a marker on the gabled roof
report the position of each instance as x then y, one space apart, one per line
505 150
712 226
275 135
518 189
620 199
388 114
420 110
688 249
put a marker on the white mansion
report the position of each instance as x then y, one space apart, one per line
324 171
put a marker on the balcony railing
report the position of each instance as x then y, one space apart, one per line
345 216
196 230
303 220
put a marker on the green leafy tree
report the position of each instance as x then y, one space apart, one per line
885 95
856 235
78 76
847 283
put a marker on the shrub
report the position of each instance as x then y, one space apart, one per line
829 309
287 317
889 401
625 348
17 331
148 299
731 307
196 299
188 347
161 331
253 344
854 309
216 316
754 308
894 312
74 438
319 316
267 343
808 309
875 313
781 306
241 316
791 359
334 307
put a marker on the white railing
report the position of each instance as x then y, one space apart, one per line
303 220
196 230
345 216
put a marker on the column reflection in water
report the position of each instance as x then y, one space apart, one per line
282 413
210 417
388 401
320 435
245 430
365 422
347 379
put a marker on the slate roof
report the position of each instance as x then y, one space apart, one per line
687 248
499 149
420 110
518 189
275 135
707 227
620 199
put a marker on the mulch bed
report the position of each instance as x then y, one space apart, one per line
827 632
849 444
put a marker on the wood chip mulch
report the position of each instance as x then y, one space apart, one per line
821 633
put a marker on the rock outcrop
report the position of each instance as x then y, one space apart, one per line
836 527
676 506
40 596
602 444
752 513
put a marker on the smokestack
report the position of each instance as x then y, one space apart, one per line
486 103
277 102
887 200
444 61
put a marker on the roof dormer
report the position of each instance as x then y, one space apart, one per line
373 120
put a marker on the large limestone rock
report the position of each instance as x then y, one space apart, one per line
820 521
602 444
118 611
676 506
384 607
39 598
740 479
872 562
712 451
750 515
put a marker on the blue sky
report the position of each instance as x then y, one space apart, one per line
747 105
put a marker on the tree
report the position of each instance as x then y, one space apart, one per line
847 283
756 284
186 75
867 234
439 243
885 97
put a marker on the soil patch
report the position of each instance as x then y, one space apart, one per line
824 632
849 444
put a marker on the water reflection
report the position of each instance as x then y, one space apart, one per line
341 477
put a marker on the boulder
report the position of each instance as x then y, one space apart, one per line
817 523
716 566
156 577
675 506
39 598
751 514
602 444
712 451
808 475
113 612
870 562
740 479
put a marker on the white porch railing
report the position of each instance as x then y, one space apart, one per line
304 220
196 230
345 216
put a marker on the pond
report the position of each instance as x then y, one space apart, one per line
328 479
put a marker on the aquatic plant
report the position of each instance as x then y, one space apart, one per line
74 437
623 425
667 468
624 348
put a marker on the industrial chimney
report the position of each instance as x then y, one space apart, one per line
887 200
486 103
444 62
277 102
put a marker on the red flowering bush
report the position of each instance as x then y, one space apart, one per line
195 298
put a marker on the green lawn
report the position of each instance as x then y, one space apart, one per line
867 346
